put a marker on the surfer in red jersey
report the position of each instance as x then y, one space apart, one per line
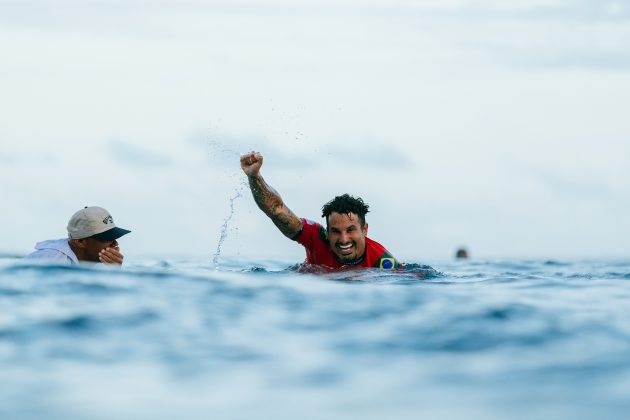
343 243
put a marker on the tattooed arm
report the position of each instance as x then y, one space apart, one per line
268 200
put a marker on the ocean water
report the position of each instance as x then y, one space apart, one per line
164 339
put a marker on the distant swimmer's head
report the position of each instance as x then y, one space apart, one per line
462 253
346 227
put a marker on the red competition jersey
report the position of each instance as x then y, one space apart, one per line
315 240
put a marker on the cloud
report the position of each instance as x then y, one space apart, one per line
576 34
225 149
585 187
374 155
130 155
485 9
591 54
588 10
7 160
590 34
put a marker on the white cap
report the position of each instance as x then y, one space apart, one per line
94 221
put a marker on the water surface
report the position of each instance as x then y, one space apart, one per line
165 339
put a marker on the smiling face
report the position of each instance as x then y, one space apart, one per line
346 236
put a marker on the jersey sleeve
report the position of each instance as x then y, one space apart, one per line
311 232
387 262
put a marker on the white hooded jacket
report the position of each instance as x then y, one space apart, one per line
56 249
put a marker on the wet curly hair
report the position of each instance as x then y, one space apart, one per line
345 204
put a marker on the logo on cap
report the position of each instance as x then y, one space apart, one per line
108 220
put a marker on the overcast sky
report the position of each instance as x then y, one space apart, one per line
501 126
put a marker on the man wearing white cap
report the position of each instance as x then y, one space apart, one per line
92 236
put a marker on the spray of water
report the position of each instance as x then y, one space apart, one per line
224 228
218 150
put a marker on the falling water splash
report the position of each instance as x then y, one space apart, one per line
224 227
217 149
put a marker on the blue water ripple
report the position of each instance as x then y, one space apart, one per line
471 339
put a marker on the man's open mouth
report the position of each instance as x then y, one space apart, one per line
345 249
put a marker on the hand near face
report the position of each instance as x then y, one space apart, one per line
111 255
251 163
